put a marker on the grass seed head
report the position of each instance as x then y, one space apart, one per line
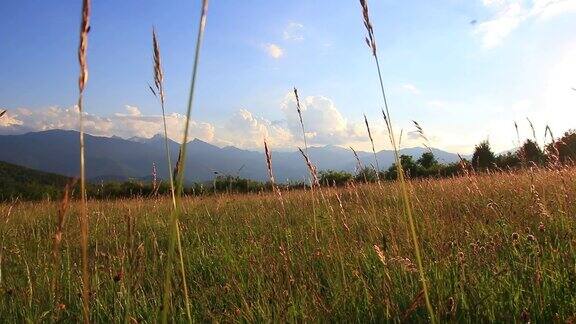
83 46
370 39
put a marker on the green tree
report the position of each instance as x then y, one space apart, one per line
331 177
483 157
508 160
427 160
366 174
565 147
410 168
531 152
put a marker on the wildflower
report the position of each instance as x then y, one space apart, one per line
461 257
515 236
541 227
118 277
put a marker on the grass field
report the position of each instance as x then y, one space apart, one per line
496 247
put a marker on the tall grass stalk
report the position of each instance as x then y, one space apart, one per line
180 174
82 80
275 188
371 41
299 110
159 93
373 149
313 176
56 253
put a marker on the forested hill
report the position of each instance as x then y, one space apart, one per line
18 181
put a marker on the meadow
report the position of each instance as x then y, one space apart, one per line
495 247
476 246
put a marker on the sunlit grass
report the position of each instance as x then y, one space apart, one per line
493 255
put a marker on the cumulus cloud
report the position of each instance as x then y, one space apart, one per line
509 14
294 32
245 130
323 122
274 50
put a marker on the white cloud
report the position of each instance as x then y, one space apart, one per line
245 130
439 104
509 14
323 122
411 88
126 125
133 111
294 32
274 50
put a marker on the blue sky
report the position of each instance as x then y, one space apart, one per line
464 69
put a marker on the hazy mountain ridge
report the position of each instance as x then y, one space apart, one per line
56 151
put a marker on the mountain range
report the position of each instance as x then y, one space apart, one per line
114 158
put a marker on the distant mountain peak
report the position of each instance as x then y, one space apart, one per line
138 139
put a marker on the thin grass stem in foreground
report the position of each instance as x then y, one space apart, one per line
174 231
82 80
371 41
159 85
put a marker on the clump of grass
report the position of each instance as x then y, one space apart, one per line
179 185
82 80
371 42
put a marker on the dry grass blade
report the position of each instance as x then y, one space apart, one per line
178 165
64 204
269 162
552 148
517 132
533 131
416 302
271 176
299 110
82 80
420 132
358 163
311 168
373 148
